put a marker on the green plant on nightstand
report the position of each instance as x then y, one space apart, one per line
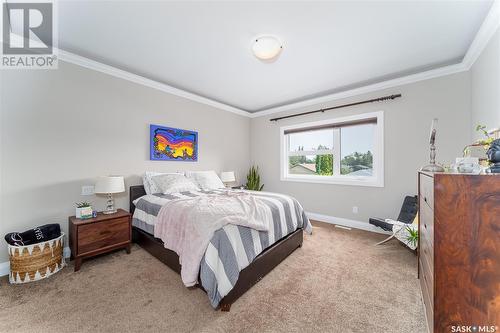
83 204
83 210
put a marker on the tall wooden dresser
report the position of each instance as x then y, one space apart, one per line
459 256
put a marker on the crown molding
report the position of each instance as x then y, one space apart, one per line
430 74
122 74
119 73
488 28
486 31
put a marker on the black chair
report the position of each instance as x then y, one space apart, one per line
406 215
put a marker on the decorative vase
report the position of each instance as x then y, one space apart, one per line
494 156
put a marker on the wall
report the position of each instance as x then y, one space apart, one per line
407 122
485 87
62 128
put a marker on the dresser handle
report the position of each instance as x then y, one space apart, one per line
104 232
425 199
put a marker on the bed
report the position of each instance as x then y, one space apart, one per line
266 251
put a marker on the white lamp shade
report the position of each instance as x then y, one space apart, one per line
266 47
227 177
110 184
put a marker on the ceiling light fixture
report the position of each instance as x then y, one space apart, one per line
267 47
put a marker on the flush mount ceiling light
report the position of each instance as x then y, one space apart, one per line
266 47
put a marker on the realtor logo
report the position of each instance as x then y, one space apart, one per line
28 35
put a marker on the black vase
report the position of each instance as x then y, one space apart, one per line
494 156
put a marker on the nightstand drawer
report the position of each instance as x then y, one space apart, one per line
98 235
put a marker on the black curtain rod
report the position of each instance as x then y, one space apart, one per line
380 99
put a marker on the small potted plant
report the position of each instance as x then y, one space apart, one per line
83 210
480 147
412 237
486 142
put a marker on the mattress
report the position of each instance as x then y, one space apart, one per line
232 248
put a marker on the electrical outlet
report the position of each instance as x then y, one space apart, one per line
87 189
355 209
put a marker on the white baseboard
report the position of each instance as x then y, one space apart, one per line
5 266
346 223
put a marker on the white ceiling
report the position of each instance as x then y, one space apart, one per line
205 47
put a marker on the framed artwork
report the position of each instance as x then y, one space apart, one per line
173 144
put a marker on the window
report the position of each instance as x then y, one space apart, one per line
338 151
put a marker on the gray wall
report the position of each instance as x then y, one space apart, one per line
62 128
485 87
407 123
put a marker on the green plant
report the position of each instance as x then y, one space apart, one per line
82 204
412 236
253 179
488 140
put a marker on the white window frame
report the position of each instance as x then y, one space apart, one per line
376 180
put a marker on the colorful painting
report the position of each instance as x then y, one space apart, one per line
173 144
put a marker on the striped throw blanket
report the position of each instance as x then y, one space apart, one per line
233 247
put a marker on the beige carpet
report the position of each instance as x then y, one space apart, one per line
337 282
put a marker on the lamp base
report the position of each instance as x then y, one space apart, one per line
110 205
432 168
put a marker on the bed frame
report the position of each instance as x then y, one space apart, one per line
258 268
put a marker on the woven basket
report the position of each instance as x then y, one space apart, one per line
37 261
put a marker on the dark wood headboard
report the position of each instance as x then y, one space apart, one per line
136 191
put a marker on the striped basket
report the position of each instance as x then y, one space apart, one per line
37 261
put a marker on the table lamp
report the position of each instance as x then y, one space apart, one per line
109 185
227 177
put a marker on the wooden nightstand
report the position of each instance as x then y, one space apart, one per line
88 238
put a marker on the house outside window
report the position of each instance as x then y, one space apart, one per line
347 151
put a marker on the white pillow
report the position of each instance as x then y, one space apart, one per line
173 183
206 180
149 186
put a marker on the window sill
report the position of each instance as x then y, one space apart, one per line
345 180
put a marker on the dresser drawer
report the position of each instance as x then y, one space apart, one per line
427 190
95 236
426 221
427 297
427 251
427 273
427 260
